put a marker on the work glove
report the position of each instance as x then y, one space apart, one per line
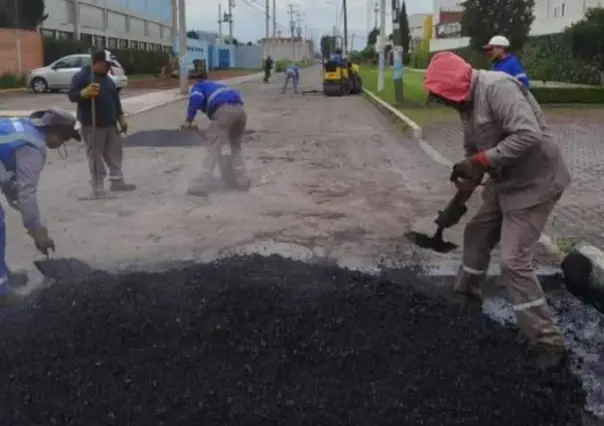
90 91
42 241
188 125
11 193
123 125
467 174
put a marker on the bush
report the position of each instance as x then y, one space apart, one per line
569 95
11 81
545 58
134 61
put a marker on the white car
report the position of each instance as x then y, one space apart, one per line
57 76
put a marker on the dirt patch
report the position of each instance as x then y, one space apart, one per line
263 340
160 83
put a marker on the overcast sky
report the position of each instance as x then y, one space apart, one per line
317 16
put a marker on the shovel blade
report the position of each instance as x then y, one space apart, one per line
430 242
63 269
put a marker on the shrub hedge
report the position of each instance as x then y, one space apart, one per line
569 95
134 61
11 81
545 58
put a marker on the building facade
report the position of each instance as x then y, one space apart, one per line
551 17
287 48
140 24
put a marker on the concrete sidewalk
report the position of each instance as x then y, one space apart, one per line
141 103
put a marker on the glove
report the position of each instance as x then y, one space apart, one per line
42 240
90 91
11 193
468 173
188 125
123 125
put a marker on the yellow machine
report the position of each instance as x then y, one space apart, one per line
336 80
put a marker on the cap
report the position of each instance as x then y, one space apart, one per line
56 117
104 56
497 41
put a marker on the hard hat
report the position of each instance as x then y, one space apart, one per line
497 41
57 118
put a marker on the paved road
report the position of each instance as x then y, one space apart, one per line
327 173
580 134
27 100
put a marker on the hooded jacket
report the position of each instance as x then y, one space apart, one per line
505 125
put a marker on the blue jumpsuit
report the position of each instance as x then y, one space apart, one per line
14 134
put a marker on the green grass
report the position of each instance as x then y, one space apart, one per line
414 105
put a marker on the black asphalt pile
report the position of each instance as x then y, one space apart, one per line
267 341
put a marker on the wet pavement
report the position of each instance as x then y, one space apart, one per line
332 181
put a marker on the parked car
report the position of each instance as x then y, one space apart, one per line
57 76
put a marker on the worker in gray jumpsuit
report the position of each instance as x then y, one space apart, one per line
507 138
23 145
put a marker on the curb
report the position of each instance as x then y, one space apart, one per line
416 132
14 89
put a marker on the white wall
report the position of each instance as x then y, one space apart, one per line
285 49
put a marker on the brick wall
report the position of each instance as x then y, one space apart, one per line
31 50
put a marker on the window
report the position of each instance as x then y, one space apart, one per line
562 7
133 44
123 44
64 35
99 41
68 62
142 45
47 33
86 38
112 43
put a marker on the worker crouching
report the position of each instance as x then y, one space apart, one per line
224 107
23 145
505 136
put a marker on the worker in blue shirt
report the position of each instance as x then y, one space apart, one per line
502 60
224 107
23 145
292 73
336 57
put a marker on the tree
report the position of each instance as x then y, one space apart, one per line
15 14
249 43
404 38
372 37
193 34
482 19
587 38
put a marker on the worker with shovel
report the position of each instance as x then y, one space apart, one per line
224 107
100 112
507 138
23 145
292 73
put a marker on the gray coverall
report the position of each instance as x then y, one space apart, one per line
227 127
508 125
291 74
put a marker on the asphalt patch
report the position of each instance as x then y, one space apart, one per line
257 340
164 139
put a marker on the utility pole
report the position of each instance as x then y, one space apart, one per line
382 45
182 48
174 24
274 18
397 50
376 11
220 20
231 6
345 13
292 27
267 18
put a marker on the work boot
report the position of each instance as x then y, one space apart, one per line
17 278
551 359
121 186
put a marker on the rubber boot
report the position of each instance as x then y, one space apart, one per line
121 186
17 278
551 359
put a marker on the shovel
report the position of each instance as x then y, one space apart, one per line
450 216
63 269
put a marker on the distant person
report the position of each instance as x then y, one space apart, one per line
92 84
504 61
268 66
292 73
336 57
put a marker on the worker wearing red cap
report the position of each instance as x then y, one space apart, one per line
507 138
